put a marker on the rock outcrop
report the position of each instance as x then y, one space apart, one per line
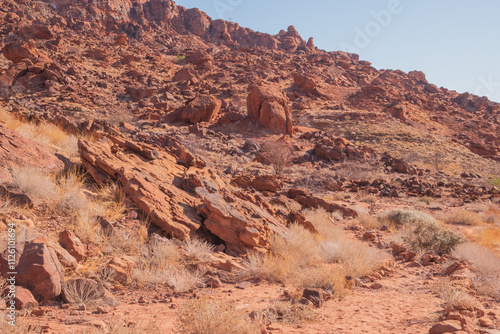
268 104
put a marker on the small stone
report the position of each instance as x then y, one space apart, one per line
414 264
376 286
243 285
485 322
142 301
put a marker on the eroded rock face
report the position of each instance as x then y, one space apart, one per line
268 104
19 51
241 224
150 184
202 109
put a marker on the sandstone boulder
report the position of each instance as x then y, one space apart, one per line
72 244
268 104
24 299
37 268
36 31
19 51
204 108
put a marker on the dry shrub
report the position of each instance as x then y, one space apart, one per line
487 266
70 192
198 249
160 263
111 200
209 316
124 241
278 154
299 256
79 291
45 134
463 217
355 170
430 235
456 297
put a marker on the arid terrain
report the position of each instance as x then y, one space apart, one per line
163 172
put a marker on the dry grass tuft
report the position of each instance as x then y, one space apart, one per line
45 134
399 218
367 221
160 263
489 237
35 183
82 291
463 217
197 249
455 297
208 316
487 266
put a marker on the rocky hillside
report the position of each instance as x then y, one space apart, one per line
147 60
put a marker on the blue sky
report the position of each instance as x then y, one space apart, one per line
455 43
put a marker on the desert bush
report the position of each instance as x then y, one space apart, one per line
430 235
357 258
487 265
208 316
495 181
278 154
355 170
79 291
400 217
198 249
463 217
270 267
121 326
455 297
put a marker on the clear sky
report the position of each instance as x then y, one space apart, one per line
456 43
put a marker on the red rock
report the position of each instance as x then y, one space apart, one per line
269 104
23 300
37 268
121 39
485 322
37 31
315 296
72 244
449 326
306 84
19 51
202 109
186 74
267 183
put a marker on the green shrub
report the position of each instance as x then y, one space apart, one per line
179 59
400 218
427 235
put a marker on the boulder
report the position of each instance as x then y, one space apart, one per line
19 51
23 299
72 244
204 108
36 31
268 104
306 84
38 269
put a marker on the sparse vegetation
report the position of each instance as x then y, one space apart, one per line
210 316
456 297
463 217
487 266
430 235
198 249
291 314
399 218
278 154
